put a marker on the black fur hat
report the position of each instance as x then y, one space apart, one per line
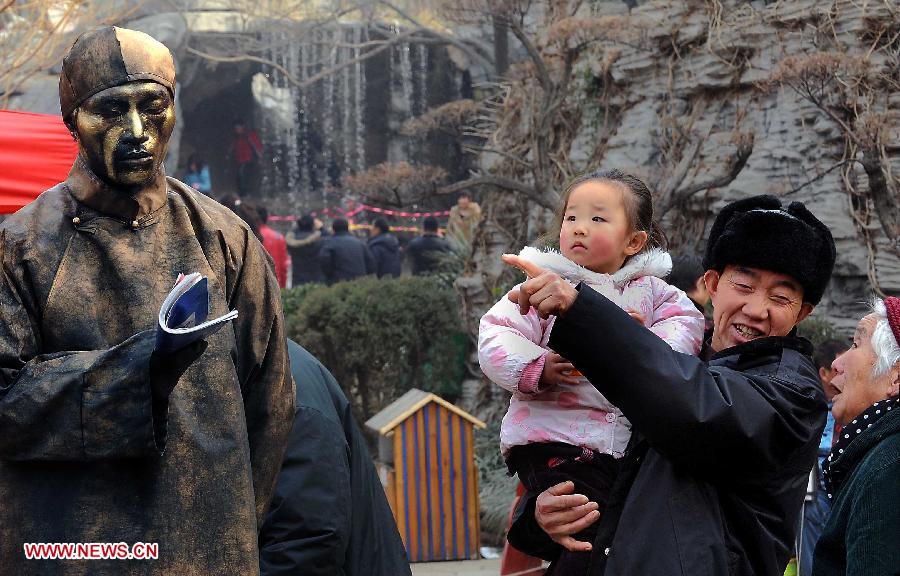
759 233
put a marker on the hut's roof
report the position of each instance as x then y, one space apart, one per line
406 405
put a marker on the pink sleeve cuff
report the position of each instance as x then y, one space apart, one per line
531 376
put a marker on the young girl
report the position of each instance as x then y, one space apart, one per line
558 426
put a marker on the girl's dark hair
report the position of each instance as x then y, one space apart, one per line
638 206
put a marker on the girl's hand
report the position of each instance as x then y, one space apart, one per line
560 513
544 291
557 370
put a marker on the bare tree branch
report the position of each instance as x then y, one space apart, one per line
482 61
315 77
882 191
543 76
499 182
731 169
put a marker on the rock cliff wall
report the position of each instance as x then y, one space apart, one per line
698 79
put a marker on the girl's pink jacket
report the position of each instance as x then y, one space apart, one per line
512 349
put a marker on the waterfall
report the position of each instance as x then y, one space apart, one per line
346 109
294 158
406 80
422 54
328 110
303 121
359 87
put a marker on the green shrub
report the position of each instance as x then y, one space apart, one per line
291 300
381 337
293 297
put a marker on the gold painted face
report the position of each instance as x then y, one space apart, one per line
123 132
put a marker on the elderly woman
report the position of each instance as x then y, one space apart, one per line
862 474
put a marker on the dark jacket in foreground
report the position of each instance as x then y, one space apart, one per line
862 535
716 485
425 253
345 257
329 515
385 249
79 462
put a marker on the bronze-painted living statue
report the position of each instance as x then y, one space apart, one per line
103 439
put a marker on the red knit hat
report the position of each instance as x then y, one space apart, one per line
892 305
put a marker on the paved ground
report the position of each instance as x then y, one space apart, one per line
467 568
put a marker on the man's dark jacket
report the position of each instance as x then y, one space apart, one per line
424 252
385 250
345 257
329 515
716 484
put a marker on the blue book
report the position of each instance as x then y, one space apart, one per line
184 312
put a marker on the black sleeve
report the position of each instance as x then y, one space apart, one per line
307 528
707 418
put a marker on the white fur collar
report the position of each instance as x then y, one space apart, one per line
654 262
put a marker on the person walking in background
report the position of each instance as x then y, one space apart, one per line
464 219
246 152
687 275
425 251
320 227
274 244
385 249
246 211
304 244
197 176
344 256
816 510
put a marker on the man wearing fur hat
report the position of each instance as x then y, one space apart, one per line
715 474
103 438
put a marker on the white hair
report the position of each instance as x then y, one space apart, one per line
887 352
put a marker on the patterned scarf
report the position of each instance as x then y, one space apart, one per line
834 477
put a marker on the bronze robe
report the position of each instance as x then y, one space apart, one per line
85 269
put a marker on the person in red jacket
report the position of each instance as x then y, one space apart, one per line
246 152
275 245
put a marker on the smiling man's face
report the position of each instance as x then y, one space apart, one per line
749 303
123 132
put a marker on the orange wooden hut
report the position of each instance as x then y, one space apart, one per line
427 465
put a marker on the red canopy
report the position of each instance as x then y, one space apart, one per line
36 152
